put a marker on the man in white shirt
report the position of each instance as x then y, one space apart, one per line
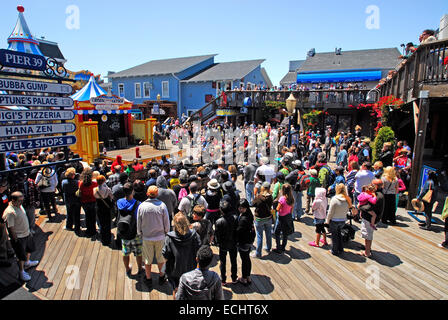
265 170
364 177
20 235
187 203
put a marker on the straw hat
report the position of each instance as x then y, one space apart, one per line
213 184
418 205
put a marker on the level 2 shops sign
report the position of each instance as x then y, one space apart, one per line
36 143
107 102
22 60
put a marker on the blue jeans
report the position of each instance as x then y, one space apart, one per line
297 211
250 192
265 226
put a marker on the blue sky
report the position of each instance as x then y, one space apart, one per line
116 34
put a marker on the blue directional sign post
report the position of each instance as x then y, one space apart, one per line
25 123
36 143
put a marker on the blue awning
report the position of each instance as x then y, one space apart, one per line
339 76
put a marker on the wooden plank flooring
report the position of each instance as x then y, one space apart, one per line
407 259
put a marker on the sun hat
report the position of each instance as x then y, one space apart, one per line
313 172
213 184
228 186
418 205
297 163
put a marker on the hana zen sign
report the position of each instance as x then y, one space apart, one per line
15 59
107 102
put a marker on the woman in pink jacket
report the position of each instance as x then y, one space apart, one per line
320 213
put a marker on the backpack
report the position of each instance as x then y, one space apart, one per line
44 182
331 175
193 203
182 194
361 157
127 223
303 182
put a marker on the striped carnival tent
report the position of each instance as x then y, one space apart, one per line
91 90
21 39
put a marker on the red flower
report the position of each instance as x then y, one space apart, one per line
445 62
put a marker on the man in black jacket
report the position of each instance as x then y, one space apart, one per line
378 209
225 233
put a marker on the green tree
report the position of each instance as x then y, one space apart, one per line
385 134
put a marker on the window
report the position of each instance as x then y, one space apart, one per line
165 89
138 90
146 89
121 90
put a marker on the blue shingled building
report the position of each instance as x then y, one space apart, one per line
189 82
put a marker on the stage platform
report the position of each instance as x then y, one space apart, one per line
147 153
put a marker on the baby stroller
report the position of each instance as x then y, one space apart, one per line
348 231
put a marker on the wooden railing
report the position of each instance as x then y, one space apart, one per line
305 98
206 112
425 66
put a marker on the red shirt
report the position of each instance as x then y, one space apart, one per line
138 167
87 192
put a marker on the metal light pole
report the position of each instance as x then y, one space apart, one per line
290 107
158 113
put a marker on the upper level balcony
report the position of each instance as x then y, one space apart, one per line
425 70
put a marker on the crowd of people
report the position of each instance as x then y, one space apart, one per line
174 211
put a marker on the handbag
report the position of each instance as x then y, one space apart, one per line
428 196
445 210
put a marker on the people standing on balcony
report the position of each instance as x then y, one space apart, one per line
427 36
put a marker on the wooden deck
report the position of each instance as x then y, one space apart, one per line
147 153
407 259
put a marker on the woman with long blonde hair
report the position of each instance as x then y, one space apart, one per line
390 191
340 205
179 250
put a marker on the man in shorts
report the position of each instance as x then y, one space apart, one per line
131 242
153 224
20 234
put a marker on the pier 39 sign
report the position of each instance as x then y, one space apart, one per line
15 59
